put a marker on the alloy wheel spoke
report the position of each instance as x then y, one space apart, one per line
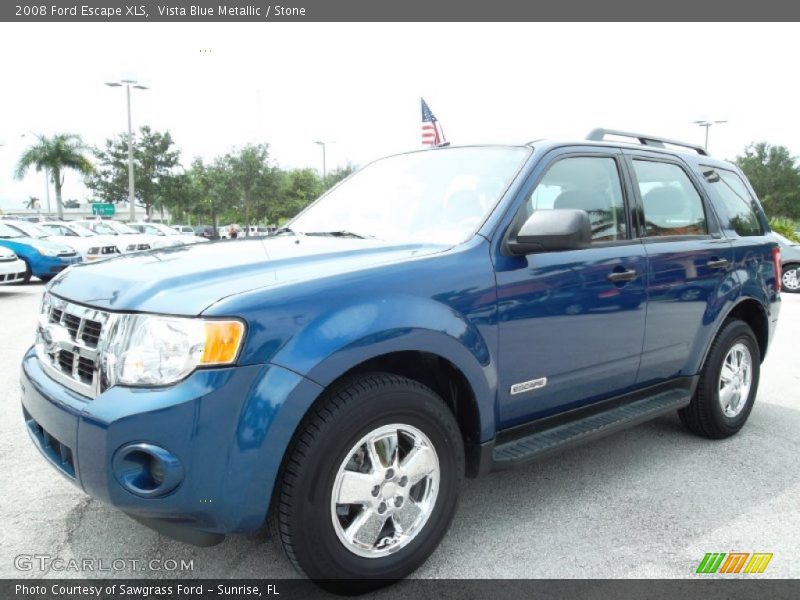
405 516
725 396
419 463
356 488
727 373
366 527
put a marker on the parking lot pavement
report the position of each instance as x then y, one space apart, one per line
648 502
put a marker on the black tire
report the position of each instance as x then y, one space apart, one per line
300 515
786 268
704 415
26 278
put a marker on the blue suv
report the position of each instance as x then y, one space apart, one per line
440 314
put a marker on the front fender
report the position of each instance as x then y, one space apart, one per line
341 339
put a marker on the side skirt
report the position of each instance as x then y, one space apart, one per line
524 443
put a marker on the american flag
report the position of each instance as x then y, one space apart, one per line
432 132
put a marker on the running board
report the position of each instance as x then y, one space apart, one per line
593 426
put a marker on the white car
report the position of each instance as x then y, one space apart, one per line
130 240
91 246
175 237
186 230
12 268
87 244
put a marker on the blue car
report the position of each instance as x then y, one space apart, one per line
438 315
43 259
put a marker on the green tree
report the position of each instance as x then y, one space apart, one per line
337 175
154 161
255 181
300 188
775 177
57 154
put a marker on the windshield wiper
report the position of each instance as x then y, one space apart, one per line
284 230
342 233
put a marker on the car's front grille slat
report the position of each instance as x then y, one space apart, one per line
67 343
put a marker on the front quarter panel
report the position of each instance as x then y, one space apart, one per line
443 304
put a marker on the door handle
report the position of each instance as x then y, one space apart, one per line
717 263
622 276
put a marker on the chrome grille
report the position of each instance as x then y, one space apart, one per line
67 341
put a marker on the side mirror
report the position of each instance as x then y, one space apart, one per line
550 230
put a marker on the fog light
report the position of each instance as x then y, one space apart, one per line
147 470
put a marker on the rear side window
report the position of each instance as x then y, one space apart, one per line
587 183
671 203
737 203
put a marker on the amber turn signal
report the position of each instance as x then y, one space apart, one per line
222 342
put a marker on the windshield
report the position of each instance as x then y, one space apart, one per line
31 229
8 232
122 228
439 196
102 228
81 230
67 230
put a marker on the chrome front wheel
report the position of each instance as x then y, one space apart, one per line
385 490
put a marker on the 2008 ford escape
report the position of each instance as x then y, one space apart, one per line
440 314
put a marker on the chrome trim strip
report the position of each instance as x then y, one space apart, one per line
53 337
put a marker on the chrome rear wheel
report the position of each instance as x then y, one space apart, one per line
735 380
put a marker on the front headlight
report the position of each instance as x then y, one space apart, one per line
45 251
156 350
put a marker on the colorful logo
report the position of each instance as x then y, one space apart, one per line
734 562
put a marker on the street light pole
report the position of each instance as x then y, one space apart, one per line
131 197
707 125
324 166
128 83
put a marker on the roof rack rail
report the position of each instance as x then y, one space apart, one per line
599 135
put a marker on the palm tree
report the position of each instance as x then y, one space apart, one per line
57 153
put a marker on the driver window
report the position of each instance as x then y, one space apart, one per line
587 183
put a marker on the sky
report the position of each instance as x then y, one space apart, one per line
357 86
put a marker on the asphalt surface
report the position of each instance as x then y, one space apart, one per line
645 503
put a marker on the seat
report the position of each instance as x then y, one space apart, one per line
665 204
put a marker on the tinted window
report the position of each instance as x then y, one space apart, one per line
738 205
672 205
586 183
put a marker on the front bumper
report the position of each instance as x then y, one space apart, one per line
48 266
12 270
227 427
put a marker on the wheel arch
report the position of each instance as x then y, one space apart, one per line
752 312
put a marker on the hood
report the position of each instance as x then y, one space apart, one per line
44 243
186 280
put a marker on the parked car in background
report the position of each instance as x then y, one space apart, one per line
256 230
172 235
208 232
86 243
790 263
12 267
184 229
130 240
224 231
43 259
